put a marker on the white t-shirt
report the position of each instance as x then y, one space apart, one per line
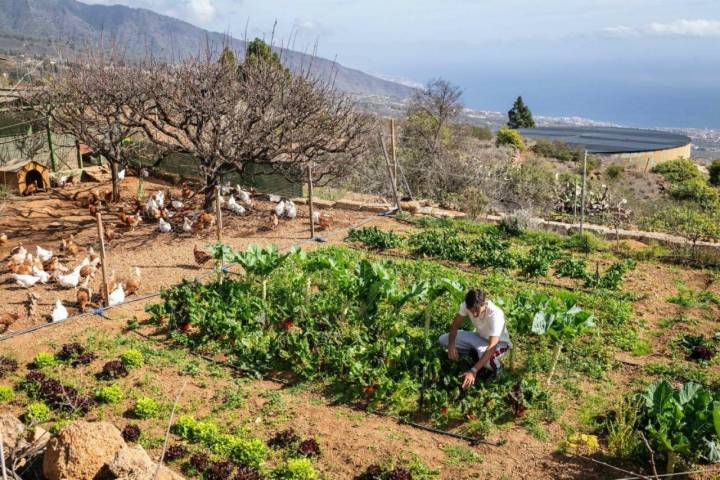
490 323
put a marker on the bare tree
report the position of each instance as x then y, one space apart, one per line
30 144
438 103
87 100
323 130
259 113
193 107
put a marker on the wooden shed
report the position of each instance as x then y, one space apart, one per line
21 173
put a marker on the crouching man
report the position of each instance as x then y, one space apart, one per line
487 344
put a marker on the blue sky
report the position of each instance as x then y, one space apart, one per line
629 61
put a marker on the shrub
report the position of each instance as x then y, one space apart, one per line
6 393
44 359
295 469
131 433
537 261
145 407
679 170
131 359
509 137
714 173
614 172
516 223
481 133
696 190
558 150
109 394
37 412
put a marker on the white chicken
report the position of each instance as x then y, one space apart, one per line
26 281
280 208
187 225
70 280
290 209
59 313
42 254
176 204
316 218
18 255
117 296
121 174
163 226
235 207
242 194
160 198
152 208
41 274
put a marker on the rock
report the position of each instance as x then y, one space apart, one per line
134 463
40 437
80 450
12 430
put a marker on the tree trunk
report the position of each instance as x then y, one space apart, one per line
210 190
115 186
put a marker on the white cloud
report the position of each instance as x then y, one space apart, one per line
203 11
306 26
700 28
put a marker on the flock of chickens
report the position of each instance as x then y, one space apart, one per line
171 211
45 267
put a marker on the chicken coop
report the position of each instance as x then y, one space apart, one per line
17 176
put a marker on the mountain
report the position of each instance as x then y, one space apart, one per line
47 27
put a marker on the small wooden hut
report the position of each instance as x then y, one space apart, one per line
19 174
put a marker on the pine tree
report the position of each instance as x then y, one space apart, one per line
520 115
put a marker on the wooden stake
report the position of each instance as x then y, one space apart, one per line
389 170
103 268
392 151
53 166
218 214
2 458
311 205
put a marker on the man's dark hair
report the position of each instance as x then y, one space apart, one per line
474 297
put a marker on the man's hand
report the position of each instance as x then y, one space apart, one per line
468 379
452 352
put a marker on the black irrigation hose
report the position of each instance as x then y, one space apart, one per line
471 440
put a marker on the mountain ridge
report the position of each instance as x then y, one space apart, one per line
71 24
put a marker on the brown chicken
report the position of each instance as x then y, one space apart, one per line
92 209
187 192
107 195
201 257
31 189
69 247
272 222
109 232
132 283
3 238
87 271
129 221
7 319
324 222
83 297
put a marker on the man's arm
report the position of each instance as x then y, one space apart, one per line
454 326
469 377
